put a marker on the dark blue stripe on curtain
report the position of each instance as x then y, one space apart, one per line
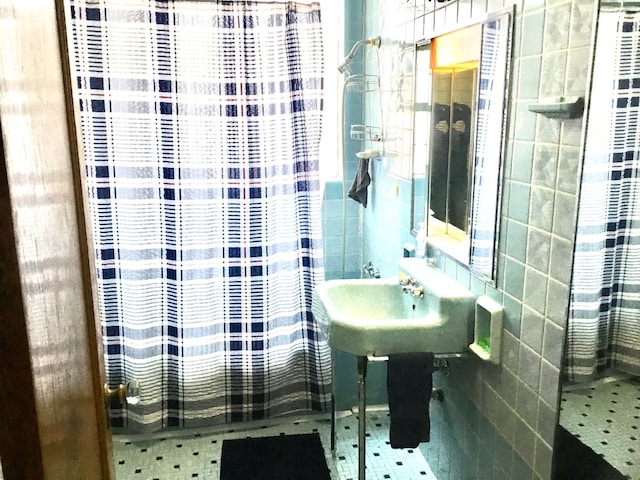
603 331
200 127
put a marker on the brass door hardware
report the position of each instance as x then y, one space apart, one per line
129 393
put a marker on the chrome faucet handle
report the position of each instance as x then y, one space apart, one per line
417 291
371 270
405 279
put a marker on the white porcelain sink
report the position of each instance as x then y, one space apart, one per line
374 316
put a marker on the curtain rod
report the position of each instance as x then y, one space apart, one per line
268 2
305 2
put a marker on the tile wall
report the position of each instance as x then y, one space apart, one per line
497 422
342 221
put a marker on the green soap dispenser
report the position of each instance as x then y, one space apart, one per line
487 338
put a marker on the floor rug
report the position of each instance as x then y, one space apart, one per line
285 457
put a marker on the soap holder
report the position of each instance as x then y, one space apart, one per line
559 108
487 334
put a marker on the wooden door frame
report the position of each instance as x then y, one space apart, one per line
53 423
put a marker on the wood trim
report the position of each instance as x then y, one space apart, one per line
94 326
46 295
16 374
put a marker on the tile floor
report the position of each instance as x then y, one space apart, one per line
605 416
197 454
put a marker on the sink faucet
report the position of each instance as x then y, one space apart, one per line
417 291
410 285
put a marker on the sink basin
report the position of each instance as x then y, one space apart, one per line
374 316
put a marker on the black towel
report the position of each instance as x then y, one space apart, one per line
409 384
360 183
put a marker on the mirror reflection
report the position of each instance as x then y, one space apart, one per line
453 95
460 123
600 407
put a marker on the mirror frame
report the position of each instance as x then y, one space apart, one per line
483 266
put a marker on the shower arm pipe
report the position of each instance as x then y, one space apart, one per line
344 66
344 183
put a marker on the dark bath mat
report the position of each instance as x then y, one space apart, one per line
574 460
285 457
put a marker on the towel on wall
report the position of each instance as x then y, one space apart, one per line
409 383
360 183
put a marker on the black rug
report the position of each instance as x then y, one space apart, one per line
573 460
285 457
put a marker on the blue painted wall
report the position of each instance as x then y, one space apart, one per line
497 422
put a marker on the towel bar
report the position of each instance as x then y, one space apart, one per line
440 363
440 360
436 356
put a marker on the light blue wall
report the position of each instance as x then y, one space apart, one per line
497 422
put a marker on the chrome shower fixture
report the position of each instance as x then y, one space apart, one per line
344 66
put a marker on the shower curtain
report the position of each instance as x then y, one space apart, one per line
201 124
604 321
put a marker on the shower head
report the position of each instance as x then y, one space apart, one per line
344 66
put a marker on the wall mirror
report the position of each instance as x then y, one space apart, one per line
601 362
460 101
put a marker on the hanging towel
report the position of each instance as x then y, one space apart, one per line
409 384
359 188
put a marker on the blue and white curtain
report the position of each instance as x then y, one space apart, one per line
486 169
604 322
201 125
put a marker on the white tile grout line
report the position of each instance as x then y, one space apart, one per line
198 455
606 417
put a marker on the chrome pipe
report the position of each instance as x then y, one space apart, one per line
362 415
344 66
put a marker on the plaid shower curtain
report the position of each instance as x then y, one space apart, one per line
604 322
201 124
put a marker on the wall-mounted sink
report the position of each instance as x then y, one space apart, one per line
378 317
